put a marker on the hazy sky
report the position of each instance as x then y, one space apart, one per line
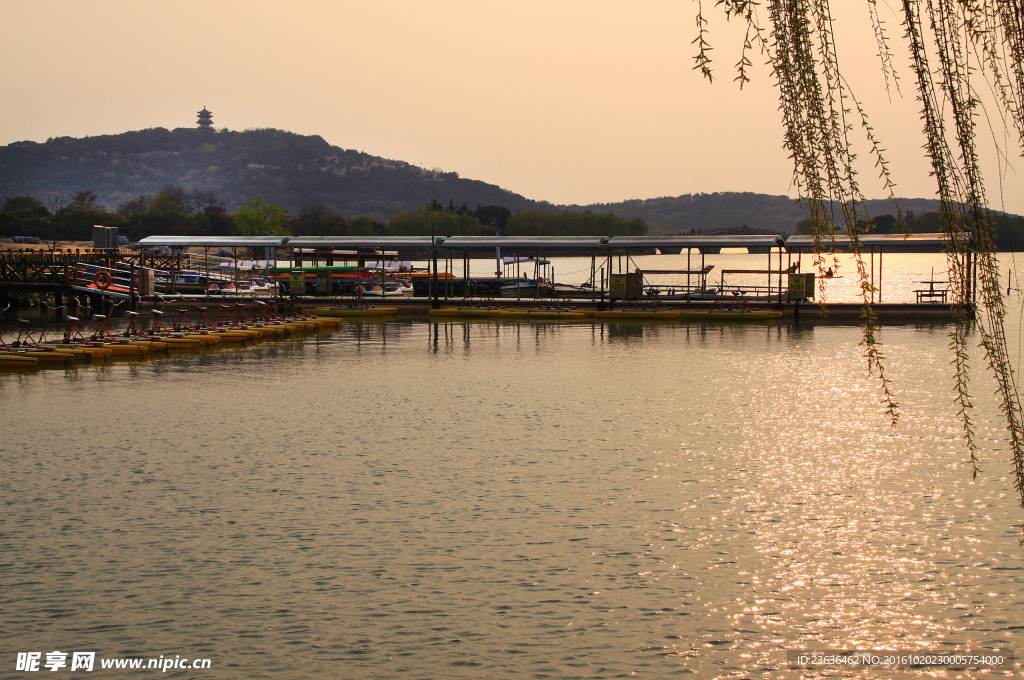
570 102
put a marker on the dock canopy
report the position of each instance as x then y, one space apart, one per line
214 241
907 242
364 242
541 242
710 244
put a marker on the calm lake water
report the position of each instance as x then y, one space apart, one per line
468 500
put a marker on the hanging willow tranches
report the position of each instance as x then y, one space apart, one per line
955 48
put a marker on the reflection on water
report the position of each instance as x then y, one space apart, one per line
505 500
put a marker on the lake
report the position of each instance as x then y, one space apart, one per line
465 500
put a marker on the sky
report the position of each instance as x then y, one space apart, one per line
582 102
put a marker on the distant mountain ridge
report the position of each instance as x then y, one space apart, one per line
298 170
732 211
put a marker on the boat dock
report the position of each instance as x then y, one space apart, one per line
340 275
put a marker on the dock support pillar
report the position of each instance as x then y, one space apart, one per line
436 304
132 304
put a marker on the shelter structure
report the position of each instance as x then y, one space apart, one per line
620 246
519 245
877 244
610 255
325 250
269 244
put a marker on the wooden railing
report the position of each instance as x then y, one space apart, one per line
58 267
28 266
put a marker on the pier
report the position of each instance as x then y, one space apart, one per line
354 273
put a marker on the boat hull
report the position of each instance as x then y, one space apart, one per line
344 312
540 315
639 314
729 315
17 360
464 313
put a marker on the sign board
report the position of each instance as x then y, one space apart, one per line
323 282
801 286
297 282
625 286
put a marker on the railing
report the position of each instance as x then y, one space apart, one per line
42 265
47 266
112 281
141 258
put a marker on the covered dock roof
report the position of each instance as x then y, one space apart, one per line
930 241
762 243
467 242
697 241
364 242
214 241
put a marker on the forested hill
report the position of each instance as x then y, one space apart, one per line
283 167
731 211
298 171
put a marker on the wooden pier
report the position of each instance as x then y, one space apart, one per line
121 280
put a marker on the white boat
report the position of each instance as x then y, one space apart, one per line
390 288
527 289
519 285
262 287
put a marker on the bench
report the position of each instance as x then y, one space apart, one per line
931 295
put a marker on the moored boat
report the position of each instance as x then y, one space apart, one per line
17 360
352 311
729 315
541 315
527 289
465 312
639 314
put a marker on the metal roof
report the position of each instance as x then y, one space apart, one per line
908 241
214 241
368 242
525 241
697 241
541 242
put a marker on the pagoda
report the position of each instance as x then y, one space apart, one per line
205 120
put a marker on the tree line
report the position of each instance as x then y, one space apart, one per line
1008 230
176 211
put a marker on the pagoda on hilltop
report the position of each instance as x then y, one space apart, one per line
205 120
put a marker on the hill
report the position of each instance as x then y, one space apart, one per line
298 170
290 169
731 212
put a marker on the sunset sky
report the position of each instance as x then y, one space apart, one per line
569 102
